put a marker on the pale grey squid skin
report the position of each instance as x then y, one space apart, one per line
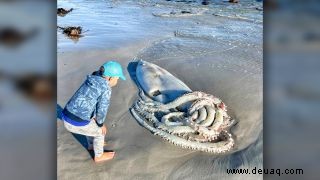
170 109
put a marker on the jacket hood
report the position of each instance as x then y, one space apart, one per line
96 81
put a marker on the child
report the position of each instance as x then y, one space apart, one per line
86 110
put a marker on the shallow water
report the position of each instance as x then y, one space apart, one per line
112 24
106 24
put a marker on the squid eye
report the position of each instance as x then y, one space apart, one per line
156 93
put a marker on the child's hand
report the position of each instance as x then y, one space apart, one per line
104 129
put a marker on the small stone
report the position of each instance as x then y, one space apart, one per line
205 2
233 1
62 12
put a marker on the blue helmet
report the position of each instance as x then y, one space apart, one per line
113 69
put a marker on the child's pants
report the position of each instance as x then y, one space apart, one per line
91 130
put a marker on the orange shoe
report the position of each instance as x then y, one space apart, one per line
104 157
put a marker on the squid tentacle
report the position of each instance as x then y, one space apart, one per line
202 127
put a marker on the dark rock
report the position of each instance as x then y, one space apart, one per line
185 12
62 12
71 30
205 2
233 1
12 37
38 87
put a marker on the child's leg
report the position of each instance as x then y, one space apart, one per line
98 142
92 130
90 142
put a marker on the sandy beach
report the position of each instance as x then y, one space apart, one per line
216 49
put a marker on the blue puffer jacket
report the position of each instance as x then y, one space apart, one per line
91 99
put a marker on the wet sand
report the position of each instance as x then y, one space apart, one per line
218 55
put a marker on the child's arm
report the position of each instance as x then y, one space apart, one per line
102 107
